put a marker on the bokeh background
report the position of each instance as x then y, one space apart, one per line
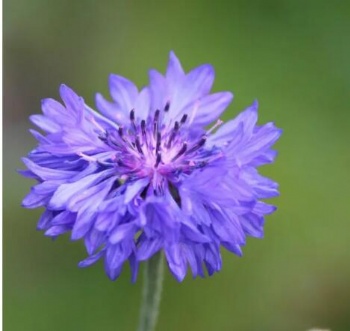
293 56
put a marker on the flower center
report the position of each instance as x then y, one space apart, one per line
148 148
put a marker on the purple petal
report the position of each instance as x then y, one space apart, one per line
63 218
174 72
45 123
122 232
47 187
65 192
45 220
210 107
106 220
252 225
123 92
176 261
244 122
73 102
158 90
148 248
260 142
134 266
83 223
143 104
134 188
199 81
56 111
34 200
47 173
234 248
91 259
93 240
57 230
112 110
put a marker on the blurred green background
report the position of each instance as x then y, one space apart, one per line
293 56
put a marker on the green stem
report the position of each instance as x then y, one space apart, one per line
152 289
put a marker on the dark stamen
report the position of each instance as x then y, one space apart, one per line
143 126
156 115
181 151
159 158
138 145
202 141
103 137
132 115
167 106
173 133
183 118
199 144
143 129
120 132
155 122
112 138
132 119
159 137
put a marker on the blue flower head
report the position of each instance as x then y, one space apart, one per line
144 174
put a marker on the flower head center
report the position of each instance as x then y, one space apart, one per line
151 147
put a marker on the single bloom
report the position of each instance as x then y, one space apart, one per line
146 174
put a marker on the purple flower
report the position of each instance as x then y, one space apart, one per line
145 175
